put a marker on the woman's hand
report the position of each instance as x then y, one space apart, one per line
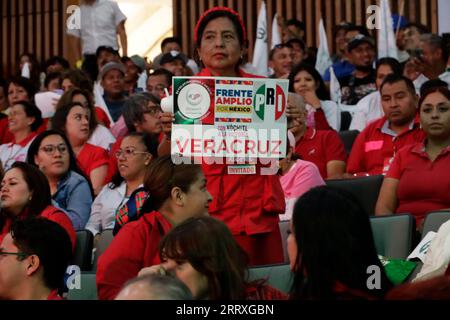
156 269
167 118
311 99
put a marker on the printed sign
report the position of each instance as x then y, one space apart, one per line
229 118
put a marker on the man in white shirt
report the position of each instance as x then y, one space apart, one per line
100 23
432 61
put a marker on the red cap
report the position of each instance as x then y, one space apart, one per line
206 13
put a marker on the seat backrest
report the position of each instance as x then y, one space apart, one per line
82 256
106 237
278 276
365 189
87 289
434 220
393 235
284 227
346 120
348 137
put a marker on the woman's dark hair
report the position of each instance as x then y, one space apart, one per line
432 84
38 185
49 241
208 245
67 99
56 60
79 80
151 145
52 76
60 117
32 112
219 12
335 246
442 90
26 84
321 91
36 144
162 175
393 63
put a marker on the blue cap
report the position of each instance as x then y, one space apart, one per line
395 21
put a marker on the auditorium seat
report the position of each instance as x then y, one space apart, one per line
393 235
365 189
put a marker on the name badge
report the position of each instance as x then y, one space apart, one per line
373 145
242 169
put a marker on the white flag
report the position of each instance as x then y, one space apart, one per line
323 61
387 46
261 54
26 70
276 36
335 87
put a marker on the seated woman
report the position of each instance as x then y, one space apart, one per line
51 153
177 192
323 114
100 135
19 89
417 181
203 254
331 247
135 153
297 177
324 148
73 119
25 192
24 121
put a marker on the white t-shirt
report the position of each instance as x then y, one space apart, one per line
103 209
332 113
12 152
368 109
97 25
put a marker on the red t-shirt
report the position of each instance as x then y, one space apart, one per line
321 120
5 135
321 147
53 214
374 148
133 248
54 296
424 185
91 157
248 204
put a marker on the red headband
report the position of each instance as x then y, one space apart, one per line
206 13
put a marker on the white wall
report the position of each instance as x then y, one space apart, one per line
443 11
148 22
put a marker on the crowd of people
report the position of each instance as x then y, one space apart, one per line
101 160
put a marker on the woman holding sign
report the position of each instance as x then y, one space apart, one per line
248 204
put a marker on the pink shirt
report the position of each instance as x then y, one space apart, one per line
303 176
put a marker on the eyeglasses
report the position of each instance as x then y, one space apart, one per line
153 111
129 152
21 255
50 148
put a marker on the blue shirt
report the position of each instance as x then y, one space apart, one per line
341 69
74 197
114 107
